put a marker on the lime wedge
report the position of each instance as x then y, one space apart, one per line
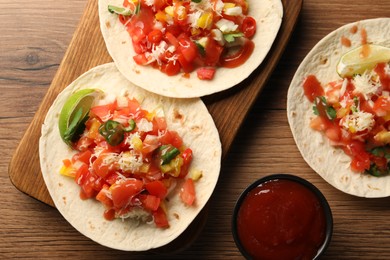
74 113
361 59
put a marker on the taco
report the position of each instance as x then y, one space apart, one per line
335 114
189 48
135 170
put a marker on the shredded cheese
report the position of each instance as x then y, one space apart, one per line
130 162
365 84
358 121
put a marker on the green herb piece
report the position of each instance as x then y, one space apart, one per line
196 1
168 153
320 104
76 127
112 131
230 37
201 49
381 151
137 8
331 112
375 171
131 126
119 10
355 107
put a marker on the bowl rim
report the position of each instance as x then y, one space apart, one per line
291 177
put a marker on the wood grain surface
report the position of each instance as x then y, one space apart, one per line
35 37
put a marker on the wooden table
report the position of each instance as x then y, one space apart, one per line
35 36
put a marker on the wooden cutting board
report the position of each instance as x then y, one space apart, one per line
87 50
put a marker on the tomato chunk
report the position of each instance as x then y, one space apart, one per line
187 192
156 188
123 192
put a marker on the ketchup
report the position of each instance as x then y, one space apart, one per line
281 219
312 88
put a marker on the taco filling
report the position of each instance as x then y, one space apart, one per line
151 161
129 160
354 114
191 35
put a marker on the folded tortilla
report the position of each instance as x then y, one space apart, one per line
268 15
329 162
195 125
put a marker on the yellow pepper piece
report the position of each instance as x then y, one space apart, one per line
196 174
136 142
205 20
228 5
161 16
387 117
169 10
144 168
68 171
195 31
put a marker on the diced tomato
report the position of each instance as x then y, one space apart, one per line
160 218
360 157
109 214
150 143
90 184
187 192
111 178
150 202
100 168
382 106
212 53
205 73
333 133
103 112
140 59
159 4
67 163
123 191
248 26
159 124
156 188
187 159
319 123
84 143
155 36
171 137
187 66
103 198
187 48
84 156
81 174
171 68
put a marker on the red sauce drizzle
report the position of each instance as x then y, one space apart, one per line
281 219
363 34
239 57
312 88
345 41
354 29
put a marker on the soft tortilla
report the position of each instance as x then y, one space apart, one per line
329 162
268 14
198 130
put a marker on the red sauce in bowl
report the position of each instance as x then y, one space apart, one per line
281 219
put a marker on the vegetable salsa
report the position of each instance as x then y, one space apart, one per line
129 160
183 36
354 114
